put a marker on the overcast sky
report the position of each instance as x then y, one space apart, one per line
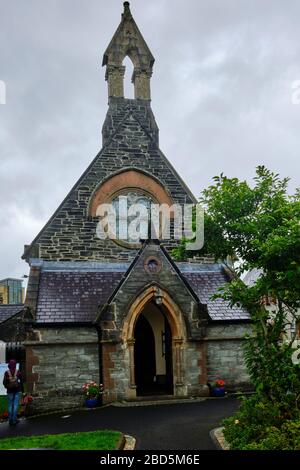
221 94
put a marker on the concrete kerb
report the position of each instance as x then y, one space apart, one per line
172 401
130 442
178 401
126 442
218 438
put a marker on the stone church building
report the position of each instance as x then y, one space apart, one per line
123 312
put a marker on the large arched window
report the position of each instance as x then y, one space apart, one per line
138 188
132 209
124 181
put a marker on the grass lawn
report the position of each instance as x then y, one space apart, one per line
96 440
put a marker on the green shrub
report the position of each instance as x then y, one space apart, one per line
285 438
261 425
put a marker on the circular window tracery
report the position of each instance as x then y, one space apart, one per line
132 208
153 265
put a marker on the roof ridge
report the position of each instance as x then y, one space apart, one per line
123 279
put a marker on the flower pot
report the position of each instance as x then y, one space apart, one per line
91 402
218 391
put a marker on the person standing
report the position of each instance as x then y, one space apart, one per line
13 383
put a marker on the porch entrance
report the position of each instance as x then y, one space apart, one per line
153 352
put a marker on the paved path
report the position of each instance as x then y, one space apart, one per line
176 426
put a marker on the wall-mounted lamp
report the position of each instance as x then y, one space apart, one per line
158 297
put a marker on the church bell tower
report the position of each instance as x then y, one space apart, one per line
128 41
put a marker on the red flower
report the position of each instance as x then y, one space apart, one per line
220 383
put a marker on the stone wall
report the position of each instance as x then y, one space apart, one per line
116 370
138 279
58 363
195 374
116 365
225 357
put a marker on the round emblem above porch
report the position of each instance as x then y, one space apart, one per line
153 265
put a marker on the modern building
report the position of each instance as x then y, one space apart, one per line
11 291
123 312
3 295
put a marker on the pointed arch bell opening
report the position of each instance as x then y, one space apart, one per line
128 78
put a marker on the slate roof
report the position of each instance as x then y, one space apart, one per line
73 295
9 311
205 284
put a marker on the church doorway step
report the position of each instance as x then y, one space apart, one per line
153 353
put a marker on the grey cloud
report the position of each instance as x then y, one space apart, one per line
221 93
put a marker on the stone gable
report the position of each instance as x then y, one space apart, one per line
71 233
137 279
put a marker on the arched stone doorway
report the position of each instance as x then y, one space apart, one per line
147 304
153 352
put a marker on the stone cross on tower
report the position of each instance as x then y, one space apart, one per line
128 41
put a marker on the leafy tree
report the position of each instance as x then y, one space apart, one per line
258 227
